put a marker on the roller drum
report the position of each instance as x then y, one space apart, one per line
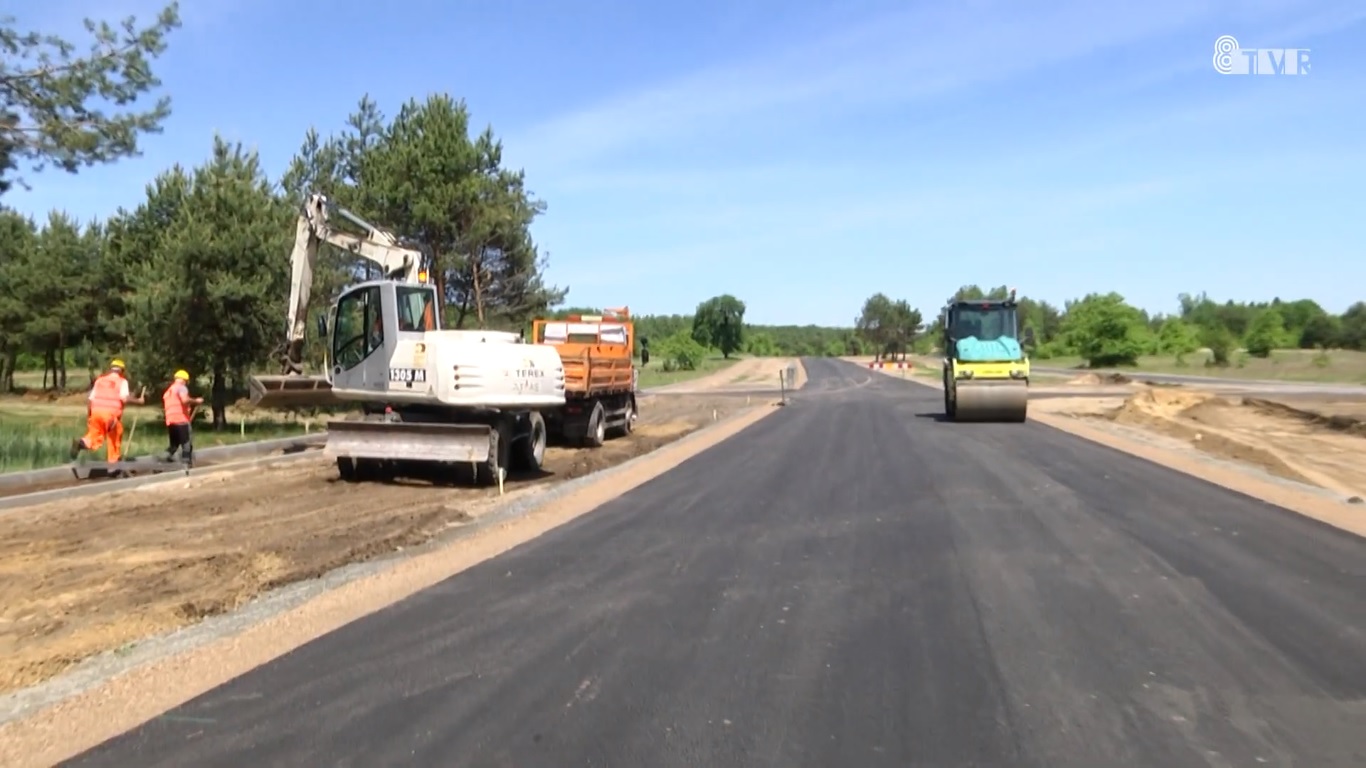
992 401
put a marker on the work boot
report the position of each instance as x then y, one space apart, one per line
77 445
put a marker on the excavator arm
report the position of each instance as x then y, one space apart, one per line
314 228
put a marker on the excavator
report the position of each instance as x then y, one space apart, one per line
986 372
429 396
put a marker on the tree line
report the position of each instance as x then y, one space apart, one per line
717 326
1104 330
197 275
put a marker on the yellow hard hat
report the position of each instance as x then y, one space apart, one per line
118 363
182 375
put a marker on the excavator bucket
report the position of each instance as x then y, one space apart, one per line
291 392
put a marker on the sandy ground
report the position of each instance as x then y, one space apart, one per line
751 373
1317 441
96 574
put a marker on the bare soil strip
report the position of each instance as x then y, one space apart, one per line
756 373
96 574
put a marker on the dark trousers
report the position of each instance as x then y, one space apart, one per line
179 435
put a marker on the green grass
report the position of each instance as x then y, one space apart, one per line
653 375
39 436
1338 366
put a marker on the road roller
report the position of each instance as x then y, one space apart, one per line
986 372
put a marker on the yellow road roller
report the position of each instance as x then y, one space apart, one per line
986 372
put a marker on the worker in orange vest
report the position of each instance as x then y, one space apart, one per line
179 408
104 413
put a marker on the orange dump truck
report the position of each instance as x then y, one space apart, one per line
599 376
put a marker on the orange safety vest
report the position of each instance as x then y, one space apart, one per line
106 394
175 409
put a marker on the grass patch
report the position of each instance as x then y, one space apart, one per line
36 437
654 375
1338 366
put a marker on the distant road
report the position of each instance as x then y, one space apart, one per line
850 582
1271 386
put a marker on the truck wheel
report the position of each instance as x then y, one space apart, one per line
500 454
596 433
531 447
628 423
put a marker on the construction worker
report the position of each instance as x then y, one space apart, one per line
104 413
179 408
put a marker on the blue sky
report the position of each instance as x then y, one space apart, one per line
803 155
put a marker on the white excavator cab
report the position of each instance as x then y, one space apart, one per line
386 345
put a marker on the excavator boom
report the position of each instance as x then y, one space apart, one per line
314 227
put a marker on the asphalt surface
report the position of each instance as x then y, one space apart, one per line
850 582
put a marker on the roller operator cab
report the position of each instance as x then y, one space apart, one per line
986 372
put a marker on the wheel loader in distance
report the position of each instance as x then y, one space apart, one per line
429 395
986 372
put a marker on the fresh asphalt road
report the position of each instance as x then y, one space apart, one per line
850 582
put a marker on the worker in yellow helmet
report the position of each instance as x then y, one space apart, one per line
179 407
104 413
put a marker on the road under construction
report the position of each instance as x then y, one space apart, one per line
854 579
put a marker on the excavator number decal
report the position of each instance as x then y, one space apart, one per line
408 375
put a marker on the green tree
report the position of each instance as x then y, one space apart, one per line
1220 341
890 327
423 177
48 112
1267 333
1320 332
876 324
1177 338
1352 333
1105 330
680 352
211 294
720 323
63 288
18 267
760 344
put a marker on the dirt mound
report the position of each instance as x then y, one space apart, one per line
1336 422
1163 402
1099 379
1199 417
